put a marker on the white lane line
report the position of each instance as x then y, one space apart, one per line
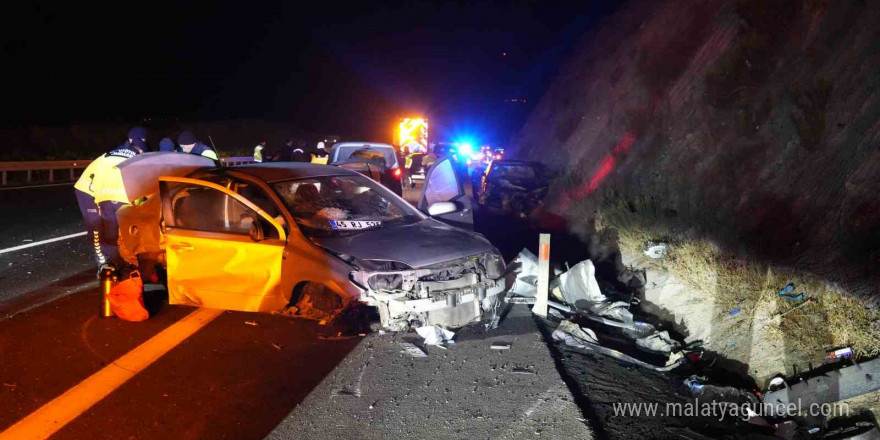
36 186
38 243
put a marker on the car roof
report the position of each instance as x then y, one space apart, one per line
277 171
362 145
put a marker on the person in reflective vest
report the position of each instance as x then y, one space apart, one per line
102 226
320 155
189 144
258 151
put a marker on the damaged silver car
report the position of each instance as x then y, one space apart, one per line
300 237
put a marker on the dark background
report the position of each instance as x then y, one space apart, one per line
331 67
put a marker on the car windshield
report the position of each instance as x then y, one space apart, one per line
340 205
366 153
514 171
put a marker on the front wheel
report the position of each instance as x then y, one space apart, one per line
316 301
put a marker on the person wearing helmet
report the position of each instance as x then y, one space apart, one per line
320 155
102 227
189 144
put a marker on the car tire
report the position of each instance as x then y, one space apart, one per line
316 301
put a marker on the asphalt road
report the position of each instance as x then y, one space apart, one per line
235 378
32 215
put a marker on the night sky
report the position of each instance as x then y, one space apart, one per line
333 67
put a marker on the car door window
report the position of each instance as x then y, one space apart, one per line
200 208
258 196
443 185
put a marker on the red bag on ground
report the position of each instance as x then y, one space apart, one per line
127 299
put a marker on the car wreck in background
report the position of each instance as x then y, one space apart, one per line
513 187
312 239
374 160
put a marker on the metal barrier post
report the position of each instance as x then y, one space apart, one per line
543 296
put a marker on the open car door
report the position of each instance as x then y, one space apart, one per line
222 250
445 197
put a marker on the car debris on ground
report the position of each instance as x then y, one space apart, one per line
436 335
576 292
412 349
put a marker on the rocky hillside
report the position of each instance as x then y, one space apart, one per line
755 123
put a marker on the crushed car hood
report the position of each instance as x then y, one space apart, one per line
419 244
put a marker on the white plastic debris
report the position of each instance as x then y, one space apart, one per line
659 342
573 335
526 282
656 250
435 335
579 285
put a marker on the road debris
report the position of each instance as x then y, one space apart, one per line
786 290
821 387
275 346
841 353
798 297
523 370
337 337
526 283
659 342
500 346
734 311
412 350
656 250
807 301
435 335
251 323
573 335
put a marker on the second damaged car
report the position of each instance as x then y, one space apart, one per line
313 239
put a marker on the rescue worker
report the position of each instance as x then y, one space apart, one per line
284 155
258 152
189 144
166 144
320 155
299 153
101 221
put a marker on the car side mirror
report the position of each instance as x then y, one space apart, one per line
440 208
256 229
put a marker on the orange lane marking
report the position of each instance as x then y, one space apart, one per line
52 416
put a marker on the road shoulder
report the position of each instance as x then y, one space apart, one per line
467 391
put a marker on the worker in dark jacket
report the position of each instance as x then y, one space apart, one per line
102 226
166 144
189 144
299 153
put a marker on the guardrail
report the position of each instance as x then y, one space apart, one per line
47 165
236 160
70 166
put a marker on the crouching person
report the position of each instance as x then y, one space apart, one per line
122 286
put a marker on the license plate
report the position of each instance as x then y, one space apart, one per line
354 224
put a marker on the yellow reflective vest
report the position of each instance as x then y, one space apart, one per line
102 165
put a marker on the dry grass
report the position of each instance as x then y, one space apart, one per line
833 319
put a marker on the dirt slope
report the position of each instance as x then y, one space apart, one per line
754 123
